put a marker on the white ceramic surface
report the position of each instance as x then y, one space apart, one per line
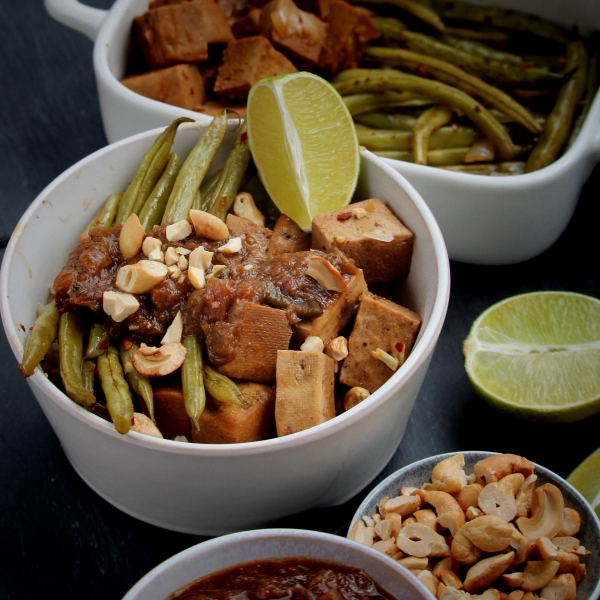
485 220
230 550
215 489
417 473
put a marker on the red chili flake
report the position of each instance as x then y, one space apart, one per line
192 92
422 69
399 346
132 420
103 344
527 65
243 137
184 75
478 108
344 216
127 344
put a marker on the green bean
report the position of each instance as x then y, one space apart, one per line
362 103
590 94
452 75
194 169
155 204
88 370
558 123
416 9
498 73
221 388
431 120
203 197
455 98
483 51
116 390
148 173
504 168
194 394
98 341
380 120
503 18
455 136
70 346
106 213
39 340
389 27
435 158
483 35
233 173
139 383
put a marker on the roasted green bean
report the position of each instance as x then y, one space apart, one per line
203 197
453 97
106 213
483 51
192 379
155 204
503 18
504 168
381 120
98 341
116 390
431 120
70 347
558 123
416 9
88 371
39 340
590 94
148 173
194 169
362 103
481 34
435 158
139 383
221 388
232 175
454 76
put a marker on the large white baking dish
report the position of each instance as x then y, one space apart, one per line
484 220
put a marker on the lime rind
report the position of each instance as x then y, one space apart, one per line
522 356
586 479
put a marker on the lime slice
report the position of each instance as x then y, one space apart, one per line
538 356
303 144
586 480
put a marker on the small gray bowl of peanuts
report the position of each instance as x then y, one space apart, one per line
487 526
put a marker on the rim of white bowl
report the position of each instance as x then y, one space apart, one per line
257 535
427 340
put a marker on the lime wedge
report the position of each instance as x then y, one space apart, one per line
538 356
586 480
303 144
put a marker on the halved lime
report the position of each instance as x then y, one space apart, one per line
538 356
303 144
586 480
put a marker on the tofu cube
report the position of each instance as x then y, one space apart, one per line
316 7
303 43
304 392
370 234
169 412
259 332
249 231
222 423
288 237
350 32
246 61
172 34
380 323
335 315
248 25
180 85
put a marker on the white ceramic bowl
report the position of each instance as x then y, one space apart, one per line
230 550
215 489
485 220
419 472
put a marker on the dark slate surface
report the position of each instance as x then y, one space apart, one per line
57 537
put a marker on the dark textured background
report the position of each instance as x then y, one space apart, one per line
58 539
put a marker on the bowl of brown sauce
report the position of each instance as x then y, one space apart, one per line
278 563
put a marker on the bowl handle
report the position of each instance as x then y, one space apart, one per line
80 17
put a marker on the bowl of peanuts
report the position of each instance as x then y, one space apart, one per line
485 525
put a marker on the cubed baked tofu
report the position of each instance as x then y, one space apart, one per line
350 32
358 231
169 412
336 315
180 85
259 332
248 25
249 231
316 7
304 396
245 61
172 34
216 25
380 323
222 423
303 41
288 237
